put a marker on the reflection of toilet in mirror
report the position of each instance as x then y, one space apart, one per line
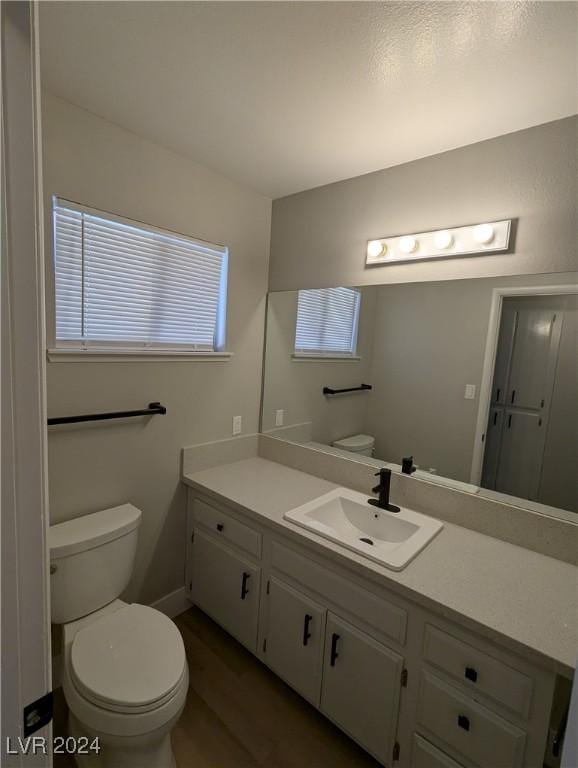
362 444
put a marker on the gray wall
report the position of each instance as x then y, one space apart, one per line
319 236
296 385
92 161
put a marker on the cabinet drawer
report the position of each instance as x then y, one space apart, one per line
389 619
479 672
473 731
425 755
227 527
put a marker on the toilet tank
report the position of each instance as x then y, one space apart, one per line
91 561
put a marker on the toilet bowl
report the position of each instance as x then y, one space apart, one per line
125 674
360 444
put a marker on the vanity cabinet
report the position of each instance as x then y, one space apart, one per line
226 586
413 688
295 638
361 687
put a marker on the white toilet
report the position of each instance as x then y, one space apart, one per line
361 444
125 674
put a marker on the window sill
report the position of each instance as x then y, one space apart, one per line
136 355
303 358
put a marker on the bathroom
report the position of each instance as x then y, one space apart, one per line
380 198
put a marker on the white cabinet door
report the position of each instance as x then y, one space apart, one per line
534 356
226 587
295 634
361 687
521 453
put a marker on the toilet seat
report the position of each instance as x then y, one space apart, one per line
131 661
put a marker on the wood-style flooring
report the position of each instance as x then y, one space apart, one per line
240 715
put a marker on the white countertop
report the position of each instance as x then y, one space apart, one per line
526 601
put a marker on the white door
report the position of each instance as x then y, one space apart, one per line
533 356
526 360
226 586
295 635
521 454
361 687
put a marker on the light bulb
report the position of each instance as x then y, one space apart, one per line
376 248
443 239
483 233
407 244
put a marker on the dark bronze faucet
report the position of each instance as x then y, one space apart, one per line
383 490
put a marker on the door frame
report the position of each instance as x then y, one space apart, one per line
498 296
26 652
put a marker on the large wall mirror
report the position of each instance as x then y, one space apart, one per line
476 380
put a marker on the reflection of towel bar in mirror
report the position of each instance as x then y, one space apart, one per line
330 391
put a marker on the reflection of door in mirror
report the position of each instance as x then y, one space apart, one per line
531 445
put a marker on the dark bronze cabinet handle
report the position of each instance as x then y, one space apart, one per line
220 527
513 396
464 722
334 654
244 589
471 674
306 625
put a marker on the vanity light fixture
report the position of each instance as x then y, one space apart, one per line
489 237
484 233
408 244
443 239
376 248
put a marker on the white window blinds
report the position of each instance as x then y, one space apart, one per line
327 320
119 283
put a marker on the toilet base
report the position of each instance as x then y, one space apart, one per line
153 750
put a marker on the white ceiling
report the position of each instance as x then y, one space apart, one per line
285 96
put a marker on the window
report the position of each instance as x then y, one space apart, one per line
327 320
127 285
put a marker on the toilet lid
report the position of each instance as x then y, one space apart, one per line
134 657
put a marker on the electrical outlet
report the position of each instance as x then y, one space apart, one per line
470 392
237 425
279 417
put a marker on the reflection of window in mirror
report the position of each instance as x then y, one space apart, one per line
327 322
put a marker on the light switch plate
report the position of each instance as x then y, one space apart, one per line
470 392
237 425
279 415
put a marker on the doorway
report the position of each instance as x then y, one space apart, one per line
531 432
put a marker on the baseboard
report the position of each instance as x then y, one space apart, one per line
173 604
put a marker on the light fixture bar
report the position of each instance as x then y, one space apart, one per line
489 237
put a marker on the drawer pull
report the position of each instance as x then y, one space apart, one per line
244 590
471 674
220 527
464 722
306 625
334 654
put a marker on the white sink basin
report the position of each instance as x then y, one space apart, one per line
345 517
